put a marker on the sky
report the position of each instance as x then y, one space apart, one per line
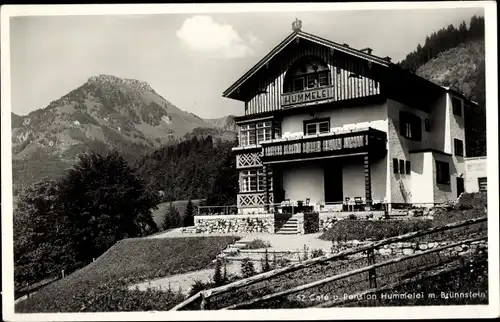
190 59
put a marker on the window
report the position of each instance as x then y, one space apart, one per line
316 126
442 172
311 80
254 133
247 134
248 181
255 180
458 147
395 164
483 184
402 166
408 167
410 126
264 131
456 104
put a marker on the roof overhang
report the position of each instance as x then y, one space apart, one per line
231 91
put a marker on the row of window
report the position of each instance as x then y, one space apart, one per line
253 133
401 166
442 169
309 81
255 180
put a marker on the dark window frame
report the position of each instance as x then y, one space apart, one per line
401 166
313 75
443 175
316 121
408 167
395 165
457 109
410 126
458 147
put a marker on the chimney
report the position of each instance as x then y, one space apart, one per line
388 59
367 49
346 45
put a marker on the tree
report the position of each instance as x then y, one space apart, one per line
105 201
42 246
189 214
225 184
172 218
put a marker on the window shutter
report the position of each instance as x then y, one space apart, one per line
395 164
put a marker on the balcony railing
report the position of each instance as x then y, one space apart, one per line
328 144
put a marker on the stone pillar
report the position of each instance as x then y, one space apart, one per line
368 181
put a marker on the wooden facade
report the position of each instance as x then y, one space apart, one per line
350 77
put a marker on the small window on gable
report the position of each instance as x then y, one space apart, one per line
456 104
395 164
402 166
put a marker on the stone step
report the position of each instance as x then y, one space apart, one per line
290 225
287 232
231 250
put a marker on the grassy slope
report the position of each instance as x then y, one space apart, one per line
128 261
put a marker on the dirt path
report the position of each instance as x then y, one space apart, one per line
184 281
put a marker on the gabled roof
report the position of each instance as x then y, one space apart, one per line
309 37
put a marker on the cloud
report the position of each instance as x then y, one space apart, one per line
202 33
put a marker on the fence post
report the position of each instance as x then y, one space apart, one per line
62 273
204 302
372 276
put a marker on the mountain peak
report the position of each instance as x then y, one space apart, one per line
114 80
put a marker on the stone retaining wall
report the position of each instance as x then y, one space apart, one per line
234 224
408 248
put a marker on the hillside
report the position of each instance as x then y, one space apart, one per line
462 68
225 123
105 112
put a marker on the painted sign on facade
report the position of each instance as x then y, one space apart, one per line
307 96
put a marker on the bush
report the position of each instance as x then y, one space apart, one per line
199 286
317 253
472 200
247 268
282 262
266 265
375 230
218 277
258 243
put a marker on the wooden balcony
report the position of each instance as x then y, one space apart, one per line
357 141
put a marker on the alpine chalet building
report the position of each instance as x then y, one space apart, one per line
333 127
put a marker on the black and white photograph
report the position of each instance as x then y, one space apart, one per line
280 161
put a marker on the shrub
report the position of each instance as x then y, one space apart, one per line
258 243
266 265
375 230
317 253
199 286
306 253
282 262
218 277
352 217
247 268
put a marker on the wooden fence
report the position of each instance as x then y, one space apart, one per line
220 297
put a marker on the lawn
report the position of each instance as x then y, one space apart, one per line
102 285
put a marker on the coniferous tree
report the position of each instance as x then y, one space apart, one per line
189 214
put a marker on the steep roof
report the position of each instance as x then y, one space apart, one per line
302 35
385 62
